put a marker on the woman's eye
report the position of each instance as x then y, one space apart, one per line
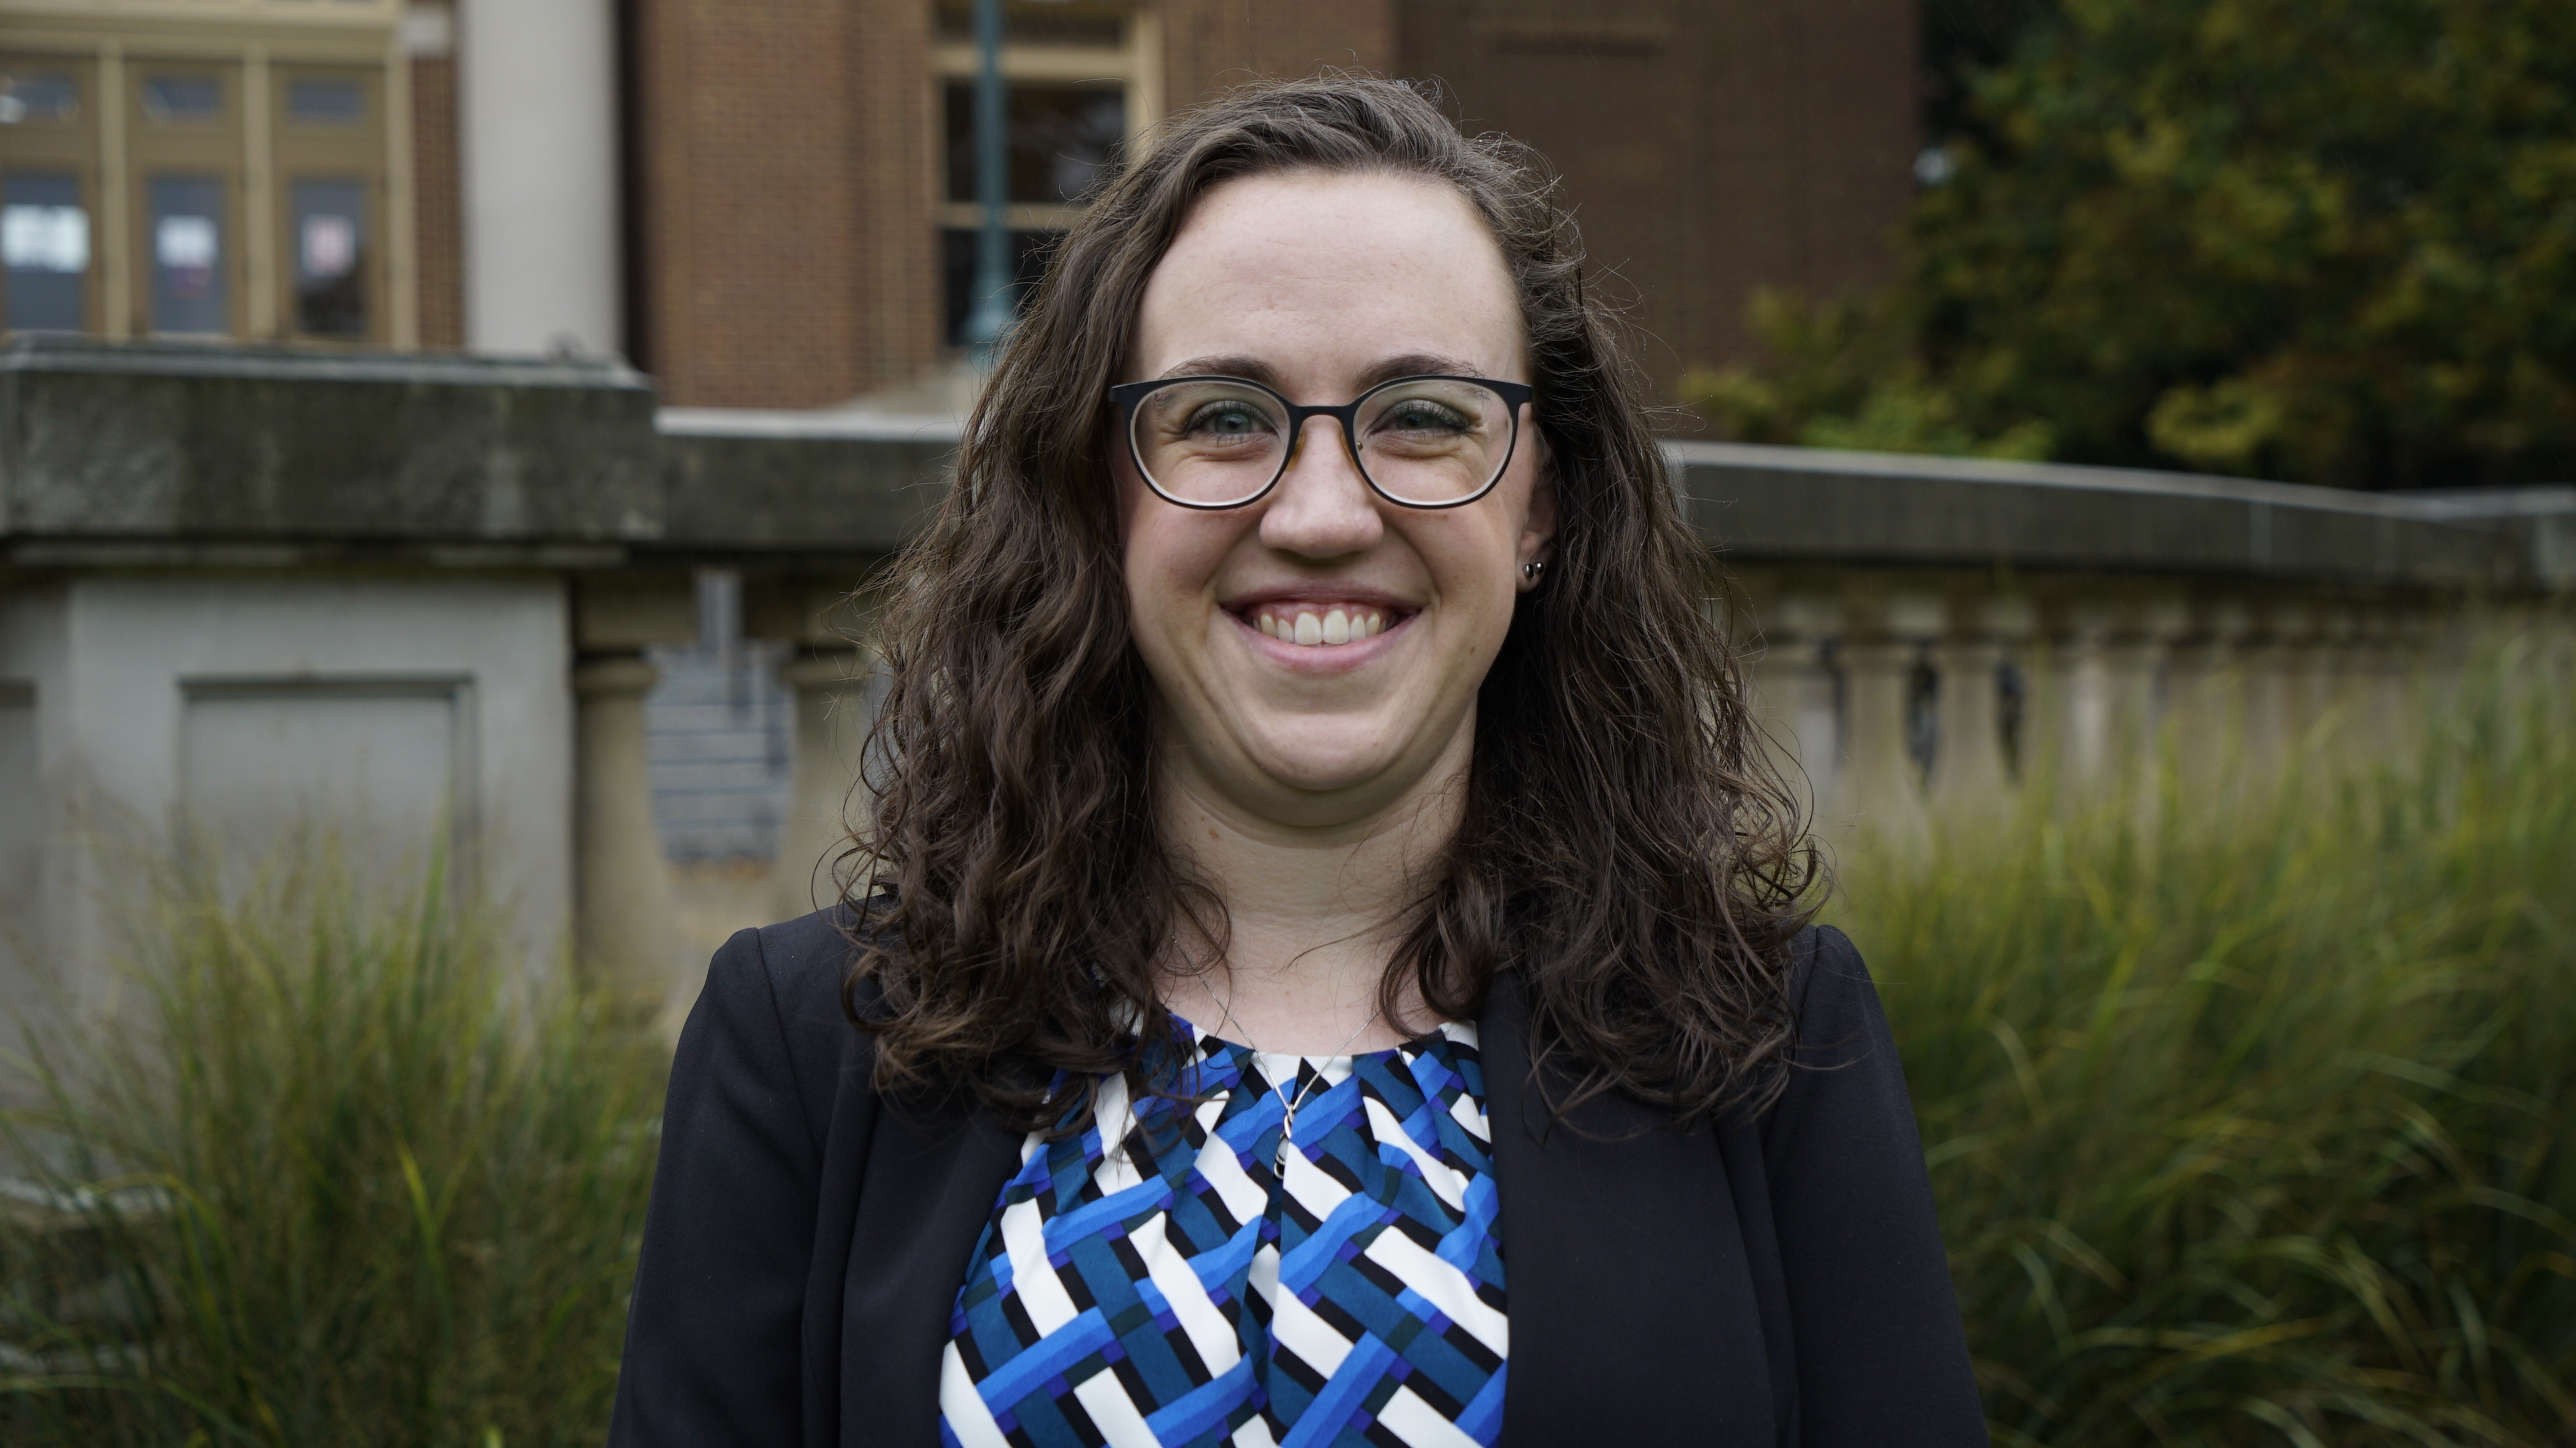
1226 420
1423 417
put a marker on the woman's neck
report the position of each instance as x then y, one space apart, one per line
1315 912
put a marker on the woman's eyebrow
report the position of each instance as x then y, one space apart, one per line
1250 368
1418 364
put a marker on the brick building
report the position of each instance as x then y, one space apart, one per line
767 203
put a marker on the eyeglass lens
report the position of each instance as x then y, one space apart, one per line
1427 440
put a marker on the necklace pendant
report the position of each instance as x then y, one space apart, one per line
1287 1131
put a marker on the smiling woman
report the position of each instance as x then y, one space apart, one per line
1328 963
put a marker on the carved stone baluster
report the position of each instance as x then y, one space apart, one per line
831 691
626 941
625 935
1970 772
2135 657
831 637
2085 702
1794 692
2205 694
1884 639
2273 656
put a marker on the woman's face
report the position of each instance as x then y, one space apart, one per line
1322 285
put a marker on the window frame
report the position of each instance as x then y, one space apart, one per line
1136 62
51 149
256 46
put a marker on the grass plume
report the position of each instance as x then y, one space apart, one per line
2247 1112
339 1174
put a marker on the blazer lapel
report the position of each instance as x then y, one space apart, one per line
932 1175
1634 1316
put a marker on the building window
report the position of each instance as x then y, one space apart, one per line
1062 139
1081 83
247 197
183 100
330 235
325 101
44 238
47 207
189 296
957 261
38 98
328 142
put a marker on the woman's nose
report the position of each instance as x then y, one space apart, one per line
1321 506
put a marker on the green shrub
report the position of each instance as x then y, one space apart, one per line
337 1174
2245 1111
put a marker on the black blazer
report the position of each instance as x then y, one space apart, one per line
1775 1283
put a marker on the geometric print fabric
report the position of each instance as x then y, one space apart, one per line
1179 1289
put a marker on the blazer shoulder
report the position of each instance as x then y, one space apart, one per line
795 973
807 960
1831 993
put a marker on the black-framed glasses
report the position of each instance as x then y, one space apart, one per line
1223 442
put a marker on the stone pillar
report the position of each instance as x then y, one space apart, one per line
1793 693
2135 657
827 799
2281 692
1884 638
2359 663
2328 722
2205 694
1969 770
2399 680
625 940
2039 752
2085 700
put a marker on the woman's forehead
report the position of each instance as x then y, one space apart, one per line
1326 275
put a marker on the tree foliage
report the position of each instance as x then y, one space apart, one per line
2331 241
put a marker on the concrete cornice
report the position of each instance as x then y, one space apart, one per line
232 362
179 444
1790 504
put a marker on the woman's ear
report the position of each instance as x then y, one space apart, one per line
1538 528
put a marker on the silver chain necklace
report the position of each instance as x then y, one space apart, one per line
1288 1118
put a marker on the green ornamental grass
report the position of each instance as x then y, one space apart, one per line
2246 1106
339 1174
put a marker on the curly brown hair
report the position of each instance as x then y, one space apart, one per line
1625 845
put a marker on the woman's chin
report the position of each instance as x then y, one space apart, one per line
1372 768
1325 777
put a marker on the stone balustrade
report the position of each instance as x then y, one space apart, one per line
1938 633
399 590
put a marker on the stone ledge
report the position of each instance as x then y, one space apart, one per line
203 443
1787 504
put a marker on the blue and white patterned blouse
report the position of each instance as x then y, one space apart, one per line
1182 1290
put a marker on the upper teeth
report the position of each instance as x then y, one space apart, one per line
1315 624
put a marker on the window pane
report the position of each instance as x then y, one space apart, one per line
330 240
957 262
38 97
44 239
1063 139
1032 25
187 238
183 99
322 102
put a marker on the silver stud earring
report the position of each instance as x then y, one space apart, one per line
1531 571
